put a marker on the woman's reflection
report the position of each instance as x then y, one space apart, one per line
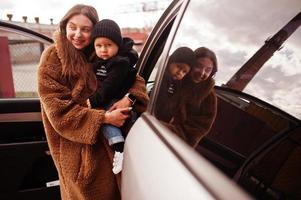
197 103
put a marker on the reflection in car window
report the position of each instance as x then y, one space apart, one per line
21 65
257 89
236 36
187 102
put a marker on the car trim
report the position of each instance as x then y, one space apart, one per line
25 32
221 91
26 144
176 14
19 105
21 117
169 14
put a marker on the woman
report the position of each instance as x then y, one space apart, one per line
66 80
198 106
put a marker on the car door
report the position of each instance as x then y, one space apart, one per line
159 165
255 138
27 170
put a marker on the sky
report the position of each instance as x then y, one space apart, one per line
127 13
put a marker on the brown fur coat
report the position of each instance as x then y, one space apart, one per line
196 113
78 149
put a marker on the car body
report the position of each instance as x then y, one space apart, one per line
251 150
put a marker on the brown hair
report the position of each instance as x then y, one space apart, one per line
75 60
203 52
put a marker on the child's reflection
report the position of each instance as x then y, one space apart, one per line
179 65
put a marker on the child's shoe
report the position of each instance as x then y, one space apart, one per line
117 162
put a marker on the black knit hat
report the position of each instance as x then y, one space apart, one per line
183 55
109 29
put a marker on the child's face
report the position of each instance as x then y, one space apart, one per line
178 70
105 48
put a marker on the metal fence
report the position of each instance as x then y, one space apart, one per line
25 56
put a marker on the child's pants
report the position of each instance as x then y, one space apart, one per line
112 133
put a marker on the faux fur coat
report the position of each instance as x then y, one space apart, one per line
196 111
78 148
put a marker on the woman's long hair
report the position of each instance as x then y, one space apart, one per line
203 52
75 61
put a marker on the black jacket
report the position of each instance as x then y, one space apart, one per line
114 76
168 98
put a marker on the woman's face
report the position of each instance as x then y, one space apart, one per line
78 31
202 70
178 70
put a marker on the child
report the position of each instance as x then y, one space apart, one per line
115 75
179 65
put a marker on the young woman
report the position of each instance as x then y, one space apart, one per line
66 80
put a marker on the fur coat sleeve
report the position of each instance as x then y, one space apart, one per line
196 114
63 103
138 89
197 125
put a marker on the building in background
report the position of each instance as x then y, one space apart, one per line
149 11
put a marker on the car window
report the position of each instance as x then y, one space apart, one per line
234 37
240 93
20 56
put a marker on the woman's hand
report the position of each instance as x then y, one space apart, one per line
117 117
122 103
